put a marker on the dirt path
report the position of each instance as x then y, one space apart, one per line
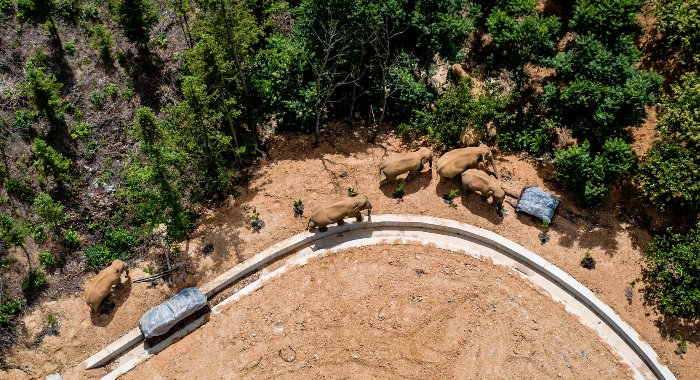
408 312
296 171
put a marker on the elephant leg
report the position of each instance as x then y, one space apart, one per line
323 229
387 180
412 173
341 222
359 216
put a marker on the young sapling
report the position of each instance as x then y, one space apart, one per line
256 222
399 190
588 262
682 346
298 207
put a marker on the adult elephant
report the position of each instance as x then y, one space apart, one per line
455 162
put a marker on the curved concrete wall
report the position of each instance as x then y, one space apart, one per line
446 234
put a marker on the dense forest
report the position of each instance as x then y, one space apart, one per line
119 116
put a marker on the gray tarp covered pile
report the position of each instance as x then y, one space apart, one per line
537 202
163 317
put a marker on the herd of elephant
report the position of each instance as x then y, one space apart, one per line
464 161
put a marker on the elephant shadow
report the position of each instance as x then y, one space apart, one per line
477 205
110 304
414 184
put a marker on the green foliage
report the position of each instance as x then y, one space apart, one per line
39 234
51 320
23 121
399 187
679 20
52 211
590 177
71 238
162 40
605 18
457 109
256 215
128 93
9 309
36 279
673 269
25 8
136 18
526 136
18 189
298 203
49 158
605 92
111 90
682 346
669 175
149 271
351 192
6 6
101 40
117 246
91 10
43 88
69 47
11 232
81 129
518 41
68 8
46 258
454 193
517 7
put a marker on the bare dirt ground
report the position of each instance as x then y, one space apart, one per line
391 312
296 171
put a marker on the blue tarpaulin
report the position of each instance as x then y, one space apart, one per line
539 203
163 317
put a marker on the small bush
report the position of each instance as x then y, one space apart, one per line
99 256
590 177
111 90
9 309
18 189
51 320
36 279
52 211
71 239
25 8
69 47
607 19
49 158
673 270
80 130
517 7
11 232
43 88
23 121
67 8
46 258
101 40
6 6
679 22
39 234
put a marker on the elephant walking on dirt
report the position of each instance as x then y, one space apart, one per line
456 161
479 181
101 285
397 164
334 212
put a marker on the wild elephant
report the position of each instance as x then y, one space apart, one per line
456 161
101 285
479 181
334 212
397 164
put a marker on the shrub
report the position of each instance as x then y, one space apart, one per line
49 158
679 21
80 130
67 8
456 110
23 121
51 211
36 279
71 239
25 8
530 39
673 270
528 136
591 177
9 309
669 175
69 47
605 92
111 90
101 40
136 18
43 88
18 189
517 7
39 234
99 256
46 258
6 6
606 19
11 232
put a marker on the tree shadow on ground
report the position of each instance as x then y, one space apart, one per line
110 304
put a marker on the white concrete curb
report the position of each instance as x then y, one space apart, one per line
525 261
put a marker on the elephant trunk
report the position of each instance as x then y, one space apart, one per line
430 161
493 163
368 207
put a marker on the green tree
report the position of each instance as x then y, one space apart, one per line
52 211
607 19
679 21
605 91
669 175
136 18
44 89
673 269
518 41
